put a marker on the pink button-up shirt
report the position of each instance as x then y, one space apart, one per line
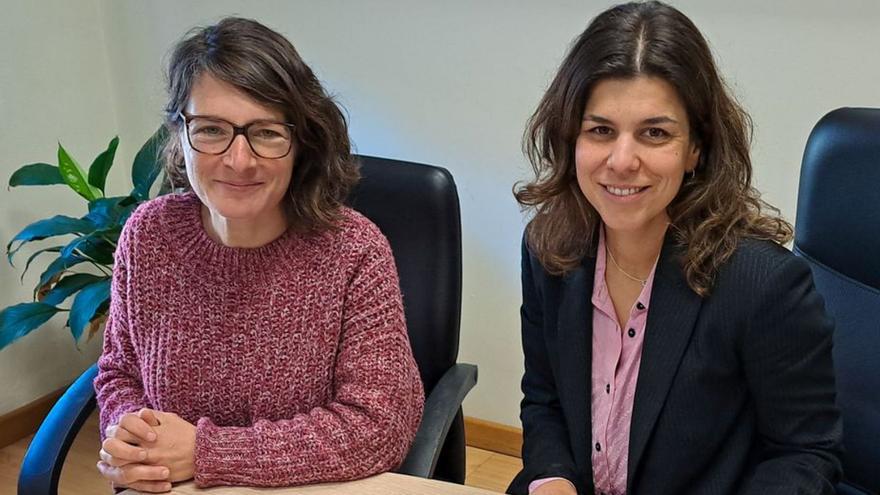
617 353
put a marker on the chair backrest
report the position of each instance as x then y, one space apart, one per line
416 207
838 233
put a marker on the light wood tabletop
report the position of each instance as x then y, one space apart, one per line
383 484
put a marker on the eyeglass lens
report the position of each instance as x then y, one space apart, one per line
267 139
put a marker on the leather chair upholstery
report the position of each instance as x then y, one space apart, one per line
838 232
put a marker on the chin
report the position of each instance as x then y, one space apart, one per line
235 209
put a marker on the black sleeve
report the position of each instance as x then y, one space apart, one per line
546 446
787 360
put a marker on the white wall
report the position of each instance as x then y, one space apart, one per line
54 86
452 83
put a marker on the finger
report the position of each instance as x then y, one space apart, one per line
123 451
151 486
144 472
111 460
123 434
149 416
137 427
133 473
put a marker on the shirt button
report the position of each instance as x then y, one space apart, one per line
598 447
607 388
632 332
640 306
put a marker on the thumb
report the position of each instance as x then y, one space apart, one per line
149 416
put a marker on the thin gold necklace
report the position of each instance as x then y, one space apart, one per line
643 281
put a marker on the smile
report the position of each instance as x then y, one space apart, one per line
239 185
624 191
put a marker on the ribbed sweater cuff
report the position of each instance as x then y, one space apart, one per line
223 456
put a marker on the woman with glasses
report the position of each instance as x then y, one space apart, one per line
256 332
672 344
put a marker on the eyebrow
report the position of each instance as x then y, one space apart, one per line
214 117
661 119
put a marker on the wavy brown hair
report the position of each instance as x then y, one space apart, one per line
264 65
713 210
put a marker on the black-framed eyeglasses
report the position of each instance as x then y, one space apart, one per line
213 135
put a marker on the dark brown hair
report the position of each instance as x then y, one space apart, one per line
264 65
713 209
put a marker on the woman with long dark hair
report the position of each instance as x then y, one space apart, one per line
672 344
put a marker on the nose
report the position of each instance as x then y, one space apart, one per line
623 156
239 156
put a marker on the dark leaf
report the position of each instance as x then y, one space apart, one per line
147 164
43 290
86 304
99 168
50 227
18 321
96 324
57 266
110 212
68 285
73 175
36 174
91 247
53 249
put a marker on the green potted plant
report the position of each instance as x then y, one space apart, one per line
81 267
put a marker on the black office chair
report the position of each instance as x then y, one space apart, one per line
416 207
838 233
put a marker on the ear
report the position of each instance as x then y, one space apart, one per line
693 159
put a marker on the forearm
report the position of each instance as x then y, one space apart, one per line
811 473
118 390
332 443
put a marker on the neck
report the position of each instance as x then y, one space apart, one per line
240 233
636 251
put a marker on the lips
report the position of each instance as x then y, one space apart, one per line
241 185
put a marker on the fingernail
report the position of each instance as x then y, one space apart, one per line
165 472
151 436
142 455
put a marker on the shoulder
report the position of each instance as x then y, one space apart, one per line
164 211
158 217
763 271
758 259
353 236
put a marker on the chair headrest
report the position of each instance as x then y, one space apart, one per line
838 211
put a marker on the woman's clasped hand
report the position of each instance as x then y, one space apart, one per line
148 450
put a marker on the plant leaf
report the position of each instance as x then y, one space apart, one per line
68 285
58 266
96 324
111 212
99 168
147 164
86 304
53 249
50 227
90 246
18 321
36 174
73 175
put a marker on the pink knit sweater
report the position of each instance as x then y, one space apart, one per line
292 359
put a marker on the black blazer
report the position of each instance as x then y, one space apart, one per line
735 392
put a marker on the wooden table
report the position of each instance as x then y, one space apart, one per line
383 484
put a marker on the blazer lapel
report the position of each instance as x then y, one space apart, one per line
671 317
575 330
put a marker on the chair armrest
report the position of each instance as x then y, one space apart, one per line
441 406
44 459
